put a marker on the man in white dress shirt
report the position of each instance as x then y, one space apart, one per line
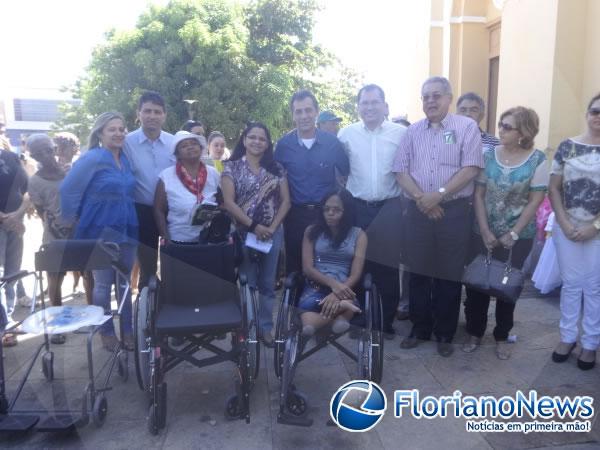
371 145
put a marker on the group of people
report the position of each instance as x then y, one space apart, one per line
367 198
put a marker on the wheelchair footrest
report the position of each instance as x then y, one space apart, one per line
18 422
59 422
289 419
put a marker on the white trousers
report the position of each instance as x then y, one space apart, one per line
579 264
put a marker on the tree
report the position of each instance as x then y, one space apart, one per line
240 62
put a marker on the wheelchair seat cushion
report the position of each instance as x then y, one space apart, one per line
177 319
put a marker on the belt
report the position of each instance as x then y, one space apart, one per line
372 203
309 206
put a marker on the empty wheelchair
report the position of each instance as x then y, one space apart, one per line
196 300
291 348
62 256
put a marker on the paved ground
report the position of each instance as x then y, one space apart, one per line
196 397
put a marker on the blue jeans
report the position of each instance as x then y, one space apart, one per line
261 275
103 282
11 255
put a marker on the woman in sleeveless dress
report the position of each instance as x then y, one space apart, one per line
333 257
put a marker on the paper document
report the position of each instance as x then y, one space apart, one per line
262 246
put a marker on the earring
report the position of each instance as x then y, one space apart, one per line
520 141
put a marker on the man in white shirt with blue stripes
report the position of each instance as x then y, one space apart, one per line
149 152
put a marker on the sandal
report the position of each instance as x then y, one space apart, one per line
9 340
58 339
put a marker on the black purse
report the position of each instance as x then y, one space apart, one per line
494 278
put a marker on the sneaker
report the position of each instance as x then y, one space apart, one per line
24 301
502 350
471 343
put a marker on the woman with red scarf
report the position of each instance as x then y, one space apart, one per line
182 188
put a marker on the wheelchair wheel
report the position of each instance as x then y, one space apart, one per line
234 408
48 365
289 368
297 403
252 344
100 410
282 329
140 334
370 343
123 365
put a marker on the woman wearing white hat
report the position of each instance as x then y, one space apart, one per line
182 188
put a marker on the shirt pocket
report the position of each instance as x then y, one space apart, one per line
321 170
450 155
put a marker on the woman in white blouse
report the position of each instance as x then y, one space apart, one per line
182 188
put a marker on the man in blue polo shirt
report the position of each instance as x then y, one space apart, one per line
310 157
149 152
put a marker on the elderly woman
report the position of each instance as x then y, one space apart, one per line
44 194
255 192
182 188
508 192
98 191
575 198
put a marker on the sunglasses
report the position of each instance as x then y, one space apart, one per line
594 111
506 127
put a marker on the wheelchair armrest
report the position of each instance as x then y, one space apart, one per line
14 276
292 280
367 282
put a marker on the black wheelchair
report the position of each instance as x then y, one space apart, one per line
197 300
290 346
62 256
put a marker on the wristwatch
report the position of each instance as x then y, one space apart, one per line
597 224
513 235
442 191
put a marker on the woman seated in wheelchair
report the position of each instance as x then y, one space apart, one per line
182 189
333 256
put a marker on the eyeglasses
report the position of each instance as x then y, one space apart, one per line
332 209
506 127
435 97
594 111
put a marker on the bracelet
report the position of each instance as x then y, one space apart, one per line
252 226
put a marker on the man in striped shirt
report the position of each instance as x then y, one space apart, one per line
472 105
437 161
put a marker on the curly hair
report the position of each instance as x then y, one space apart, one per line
64 140
527 123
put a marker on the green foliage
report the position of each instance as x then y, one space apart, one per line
240 62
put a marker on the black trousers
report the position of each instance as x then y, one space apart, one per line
147 252
294 225
477 304
436 251
383 225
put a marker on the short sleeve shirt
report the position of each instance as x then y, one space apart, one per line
508 188
579 165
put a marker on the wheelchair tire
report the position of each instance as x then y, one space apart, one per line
48 365
282 330
297 403
234 408
253 345
152 420
123 365
370 342
377 339
140 321
100 410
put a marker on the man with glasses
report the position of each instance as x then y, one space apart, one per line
472 105
371 145
437 161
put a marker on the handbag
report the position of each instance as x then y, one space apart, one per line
495 278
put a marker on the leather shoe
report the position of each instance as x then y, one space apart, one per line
410 342
589 362
445 349
562 357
